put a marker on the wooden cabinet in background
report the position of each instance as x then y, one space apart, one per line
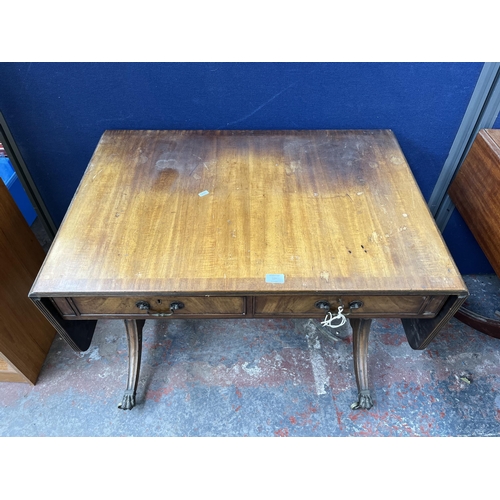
475 191
25 335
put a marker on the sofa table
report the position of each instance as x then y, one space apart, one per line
235 224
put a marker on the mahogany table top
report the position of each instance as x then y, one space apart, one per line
237 212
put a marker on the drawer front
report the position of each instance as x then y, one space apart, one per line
369 306
146 306
64 307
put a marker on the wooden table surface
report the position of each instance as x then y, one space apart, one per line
248 223
330 210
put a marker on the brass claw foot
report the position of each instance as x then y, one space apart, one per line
128 401
364 401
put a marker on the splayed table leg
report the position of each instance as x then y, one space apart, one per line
360 333
134 338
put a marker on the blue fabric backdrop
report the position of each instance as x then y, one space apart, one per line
58 111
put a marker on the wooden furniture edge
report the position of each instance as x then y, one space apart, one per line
420 332
13 374
495 147
482 324
484 148
78 334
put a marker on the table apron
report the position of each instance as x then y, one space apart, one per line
233 306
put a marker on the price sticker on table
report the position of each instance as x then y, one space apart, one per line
275 278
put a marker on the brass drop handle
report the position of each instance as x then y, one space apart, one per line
356 304
323 304
145 306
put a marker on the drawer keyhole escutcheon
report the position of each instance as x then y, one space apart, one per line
145 306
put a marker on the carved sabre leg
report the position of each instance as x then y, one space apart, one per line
360 332
134 338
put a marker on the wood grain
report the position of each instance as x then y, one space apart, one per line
372 306
475 191
334 211
128 305
25 335
5 366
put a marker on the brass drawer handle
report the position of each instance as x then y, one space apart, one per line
323 304
356 304
145 306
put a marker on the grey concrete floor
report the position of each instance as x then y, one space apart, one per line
260 377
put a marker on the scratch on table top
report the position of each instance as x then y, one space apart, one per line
340 196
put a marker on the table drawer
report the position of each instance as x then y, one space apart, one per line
112 306
364 305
